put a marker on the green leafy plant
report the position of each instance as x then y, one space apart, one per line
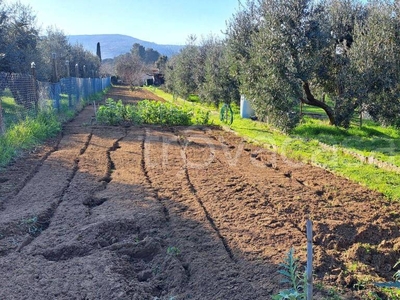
173 251
132 115
202 117
112 113
396 277
154 112
148 112
292 276
32 225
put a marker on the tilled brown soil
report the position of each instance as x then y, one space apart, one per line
155 212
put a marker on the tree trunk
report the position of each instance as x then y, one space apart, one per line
310 100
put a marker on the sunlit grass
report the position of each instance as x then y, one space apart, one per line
25 129
26 134
380 142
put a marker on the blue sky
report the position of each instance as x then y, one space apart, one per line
159 21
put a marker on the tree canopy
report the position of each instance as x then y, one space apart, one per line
281 53
21 43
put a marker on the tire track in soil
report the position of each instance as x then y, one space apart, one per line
191 231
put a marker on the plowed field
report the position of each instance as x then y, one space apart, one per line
149 212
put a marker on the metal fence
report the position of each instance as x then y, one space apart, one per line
33 96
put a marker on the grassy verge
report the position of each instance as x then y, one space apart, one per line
26 134
25 129
304 144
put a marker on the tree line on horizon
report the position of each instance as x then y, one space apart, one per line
21 44
342 56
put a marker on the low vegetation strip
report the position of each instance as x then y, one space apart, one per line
26 134
148 112
306 147
365 159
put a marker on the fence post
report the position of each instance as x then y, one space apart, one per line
309 260
2 126
85 82
77 82
54 80
69 84
33 70
93 84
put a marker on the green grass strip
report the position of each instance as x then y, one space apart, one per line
27 134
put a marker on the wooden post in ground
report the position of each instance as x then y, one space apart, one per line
69 84
35 87
54 82
2 127
309 260
77 83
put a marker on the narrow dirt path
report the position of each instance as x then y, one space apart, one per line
152 212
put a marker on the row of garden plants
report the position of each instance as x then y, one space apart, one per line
149 112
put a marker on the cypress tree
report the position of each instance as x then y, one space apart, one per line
98 52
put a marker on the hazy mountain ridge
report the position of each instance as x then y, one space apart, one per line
113 45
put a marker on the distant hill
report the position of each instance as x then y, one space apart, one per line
113 45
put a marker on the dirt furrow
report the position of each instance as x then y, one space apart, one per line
191 231
274 196
29 212
194 192
79 198
72 235
152 212
27 168
146 173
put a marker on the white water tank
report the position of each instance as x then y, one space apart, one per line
246 111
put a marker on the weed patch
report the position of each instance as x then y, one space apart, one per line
26 134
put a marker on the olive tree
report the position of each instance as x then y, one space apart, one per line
218 84
18 37
203 70
182 71
375 60
289 51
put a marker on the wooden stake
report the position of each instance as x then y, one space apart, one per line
309 260
2 127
